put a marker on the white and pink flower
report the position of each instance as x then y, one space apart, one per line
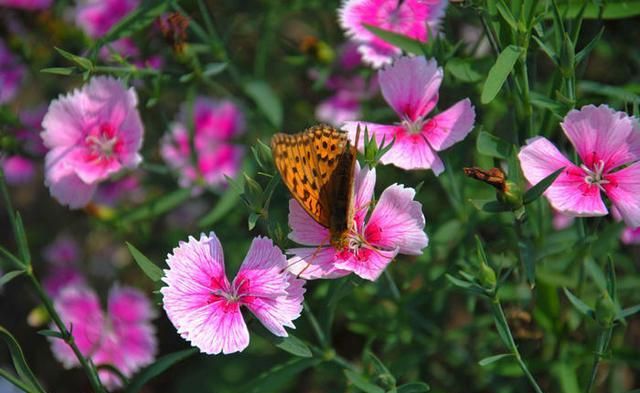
96 17
415 19
394 226
122 337
11 74
410 86
29 5
215 124
608 144
205 307
91 134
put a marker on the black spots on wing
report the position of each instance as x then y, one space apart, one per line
333 147
305 195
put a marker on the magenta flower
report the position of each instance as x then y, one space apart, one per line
11 74
395 226
410 86
215 123
63 256
123 336
63 251
608 143
30 5
92 133
96 17
561 221
17 169
205 308
111 193
339 108
413 18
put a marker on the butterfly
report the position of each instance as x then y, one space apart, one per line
317 166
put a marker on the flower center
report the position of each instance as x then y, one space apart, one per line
103 141
413 127
595 175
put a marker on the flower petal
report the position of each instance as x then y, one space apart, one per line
397 222
630 235
64 122
64 185
569 193
304 229
600 133
365 182
368 264
276 313
261 272
410 86
314 263
450 126
624 191
129 305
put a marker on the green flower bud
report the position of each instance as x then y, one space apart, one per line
511 195
605 310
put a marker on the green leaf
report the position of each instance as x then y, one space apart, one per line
499 72
21 239
82 62
11 258
528 257
362 383
6 277
620 9
266 101
149 268
51 333
158 367
225 204
492 359
627 312
492 146
274 379
156 207
382 372
401 41
213 69
490 206
19 362
506 14
58 70
536 191
544 102
580 56
463 70
579 304
413 387
293 345
135 21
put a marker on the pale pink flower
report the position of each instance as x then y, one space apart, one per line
92 133
394 226
205 308
62 256
61 277
608 144
11 74
30 5
123 336
64 251
96 17
561 221
215 123
412 18
410 86
629 235
17 169
339 108
111 193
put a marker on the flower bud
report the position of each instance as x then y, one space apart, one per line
487 276
511 195
605 310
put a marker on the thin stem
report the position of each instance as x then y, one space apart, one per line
503 325
14 380
604 338
68 338
395 292
322 339
331 356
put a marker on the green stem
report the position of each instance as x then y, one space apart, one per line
322 338
503 325
67 336
395 292
604 338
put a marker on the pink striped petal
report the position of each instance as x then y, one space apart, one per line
624 192
410 86
217 327
569 193
368 264
261 271
365 182
129 305
312 263
600 133
304 229
450 126
64 185
397 222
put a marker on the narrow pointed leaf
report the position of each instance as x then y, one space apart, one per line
362 383
499 72
579 304
414 387
492 146
149 268
401 41
156 368
19 362
536 191
7 277
136 20
266 101
492 359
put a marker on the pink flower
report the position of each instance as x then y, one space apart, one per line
205 308
410 86
413 18
395 226
29 132
339 108
123 336
629 235
11 74
30 5
61 277
17 169
111 193
561 221
215 123
92 133
608 143
96 17
64 251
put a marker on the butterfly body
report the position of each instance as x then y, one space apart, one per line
317 166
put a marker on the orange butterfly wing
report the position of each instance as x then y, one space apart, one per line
317 167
